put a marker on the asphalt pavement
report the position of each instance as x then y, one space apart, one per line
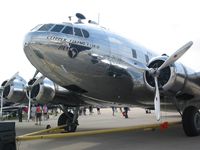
171 138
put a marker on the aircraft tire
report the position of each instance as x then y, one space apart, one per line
63 120
191 121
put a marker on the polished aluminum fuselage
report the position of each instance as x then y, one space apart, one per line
103 73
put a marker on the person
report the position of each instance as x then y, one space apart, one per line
45 112
33 112
98 110
84 111
120 109
38 115
125 113
148 111
80 111
25 111
20 114
90 110
113 110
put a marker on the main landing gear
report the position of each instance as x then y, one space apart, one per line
191 121
69 119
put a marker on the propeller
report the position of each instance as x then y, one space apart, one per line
155 72
2 88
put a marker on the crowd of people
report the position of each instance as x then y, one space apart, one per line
124 112
40 112
37 111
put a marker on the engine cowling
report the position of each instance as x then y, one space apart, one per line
15 90
43 92
171 78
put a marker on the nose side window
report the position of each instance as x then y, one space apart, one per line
78 32
85 33
57 28
68 30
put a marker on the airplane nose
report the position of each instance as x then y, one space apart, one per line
34 46
35 41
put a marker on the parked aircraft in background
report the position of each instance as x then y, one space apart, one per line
83 63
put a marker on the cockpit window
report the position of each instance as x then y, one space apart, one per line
85 33
37 27
45 27
57 28
78 32
68 30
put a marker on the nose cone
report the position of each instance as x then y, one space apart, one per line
29 44
35 43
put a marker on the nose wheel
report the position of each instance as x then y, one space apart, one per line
68 121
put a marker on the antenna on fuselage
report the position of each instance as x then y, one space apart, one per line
70 18
80 17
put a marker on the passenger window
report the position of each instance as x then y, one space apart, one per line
85 33
147 58
68 30
45 27
78 32
57 28
134 54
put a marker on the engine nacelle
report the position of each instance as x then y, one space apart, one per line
15 90
171 78
43 92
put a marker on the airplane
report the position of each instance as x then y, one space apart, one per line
83 63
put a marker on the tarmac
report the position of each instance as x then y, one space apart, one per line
146 139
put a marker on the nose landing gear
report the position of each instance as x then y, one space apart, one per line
69 119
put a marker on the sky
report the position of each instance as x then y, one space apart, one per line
160 25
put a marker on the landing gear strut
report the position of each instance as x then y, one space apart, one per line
191 121
69 119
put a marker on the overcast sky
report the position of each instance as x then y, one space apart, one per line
160 25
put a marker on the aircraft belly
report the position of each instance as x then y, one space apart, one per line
95 79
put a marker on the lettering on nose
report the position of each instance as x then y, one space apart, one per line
73 47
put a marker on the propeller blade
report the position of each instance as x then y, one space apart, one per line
11 79
29 105
175 56
38 80
157 100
